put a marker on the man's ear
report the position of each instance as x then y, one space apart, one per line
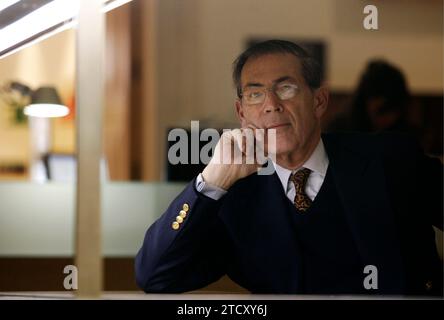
321 96
240 113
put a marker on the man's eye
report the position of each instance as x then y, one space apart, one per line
286 91
254 95
287 87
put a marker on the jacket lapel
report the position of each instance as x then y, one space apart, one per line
360 182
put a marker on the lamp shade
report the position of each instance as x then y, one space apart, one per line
46 103
45 95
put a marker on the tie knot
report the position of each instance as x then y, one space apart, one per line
300 177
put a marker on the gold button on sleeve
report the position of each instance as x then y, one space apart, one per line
183 214
185 207
179 219
175 225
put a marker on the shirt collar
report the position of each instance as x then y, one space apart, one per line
318 162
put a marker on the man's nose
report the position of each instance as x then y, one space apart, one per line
272 102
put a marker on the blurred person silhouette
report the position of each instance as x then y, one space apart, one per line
379 103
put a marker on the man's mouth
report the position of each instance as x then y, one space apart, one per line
279 125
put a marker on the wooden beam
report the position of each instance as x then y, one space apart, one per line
117 98
145 157
90 88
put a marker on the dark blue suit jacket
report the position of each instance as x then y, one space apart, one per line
391 193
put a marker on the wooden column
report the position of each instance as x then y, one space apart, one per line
90 88
117 93
145 157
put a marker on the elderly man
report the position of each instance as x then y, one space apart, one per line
337 208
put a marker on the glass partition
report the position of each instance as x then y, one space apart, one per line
39 220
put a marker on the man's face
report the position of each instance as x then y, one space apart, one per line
296 120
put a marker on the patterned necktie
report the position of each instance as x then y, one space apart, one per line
301 200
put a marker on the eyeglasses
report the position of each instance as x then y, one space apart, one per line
256 96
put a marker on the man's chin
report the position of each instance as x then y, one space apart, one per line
280 151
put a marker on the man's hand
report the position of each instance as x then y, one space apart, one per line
238 154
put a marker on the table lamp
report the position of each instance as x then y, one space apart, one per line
46 103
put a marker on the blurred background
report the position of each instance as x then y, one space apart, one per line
168 62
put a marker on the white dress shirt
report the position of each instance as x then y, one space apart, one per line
317 163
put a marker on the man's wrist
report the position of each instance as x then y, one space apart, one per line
209 190
222 182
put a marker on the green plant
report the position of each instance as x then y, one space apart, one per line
16 96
